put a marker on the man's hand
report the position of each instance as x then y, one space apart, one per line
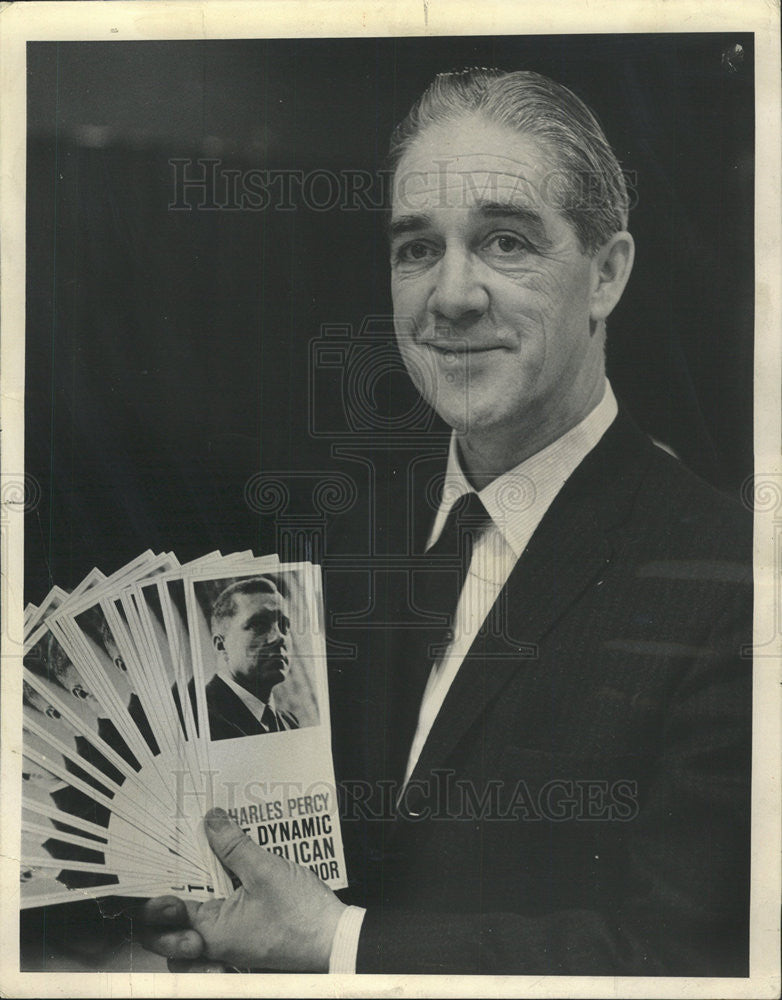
281 917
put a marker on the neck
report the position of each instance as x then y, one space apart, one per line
486 455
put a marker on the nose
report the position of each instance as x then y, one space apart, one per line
458 295
276 637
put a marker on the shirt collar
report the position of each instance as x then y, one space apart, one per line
518 498
255 705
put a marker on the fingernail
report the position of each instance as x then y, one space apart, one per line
170 911
217 818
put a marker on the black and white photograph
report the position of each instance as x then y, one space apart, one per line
260 681
256 680
391 453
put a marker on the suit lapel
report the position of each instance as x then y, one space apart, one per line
228 709
541 588
571 547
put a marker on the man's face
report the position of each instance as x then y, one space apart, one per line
253 643
113 653
67 676
490 286
37 702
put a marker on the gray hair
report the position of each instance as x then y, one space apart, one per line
588 188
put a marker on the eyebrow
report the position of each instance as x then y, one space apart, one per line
403 224
407 224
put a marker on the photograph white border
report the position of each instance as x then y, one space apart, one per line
124 20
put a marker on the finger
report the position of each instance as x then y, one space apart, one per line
182 965
234 848
175 944
169 911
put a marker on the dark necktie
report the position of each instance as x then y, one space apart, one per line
440 582
269 720
437 580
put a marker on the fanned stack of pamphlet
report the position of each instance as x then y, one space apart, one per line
161 691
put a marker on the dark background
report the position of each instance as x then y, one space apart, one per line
168 352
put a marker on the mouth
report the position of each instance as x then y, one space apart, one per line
279 660
460 355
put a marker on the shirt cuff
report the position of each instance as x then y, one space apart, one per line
344 948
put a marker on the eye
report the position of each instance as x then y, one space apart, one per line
415 252
507 245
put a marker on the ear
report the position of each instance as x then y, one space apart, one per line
611 267
219 643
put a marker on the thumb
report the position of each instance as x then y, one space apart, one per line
234 848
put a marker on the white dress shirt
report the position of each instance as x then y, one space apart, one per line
516 502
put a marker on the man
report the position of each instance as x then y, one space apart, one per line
557 782
250 630
35 704
121 681
48 661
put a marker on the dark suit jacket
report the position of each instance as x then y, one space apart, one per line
582 803
229 717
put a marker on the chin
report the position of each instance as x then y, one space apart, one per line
277 672
479 405
467 422
455 411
